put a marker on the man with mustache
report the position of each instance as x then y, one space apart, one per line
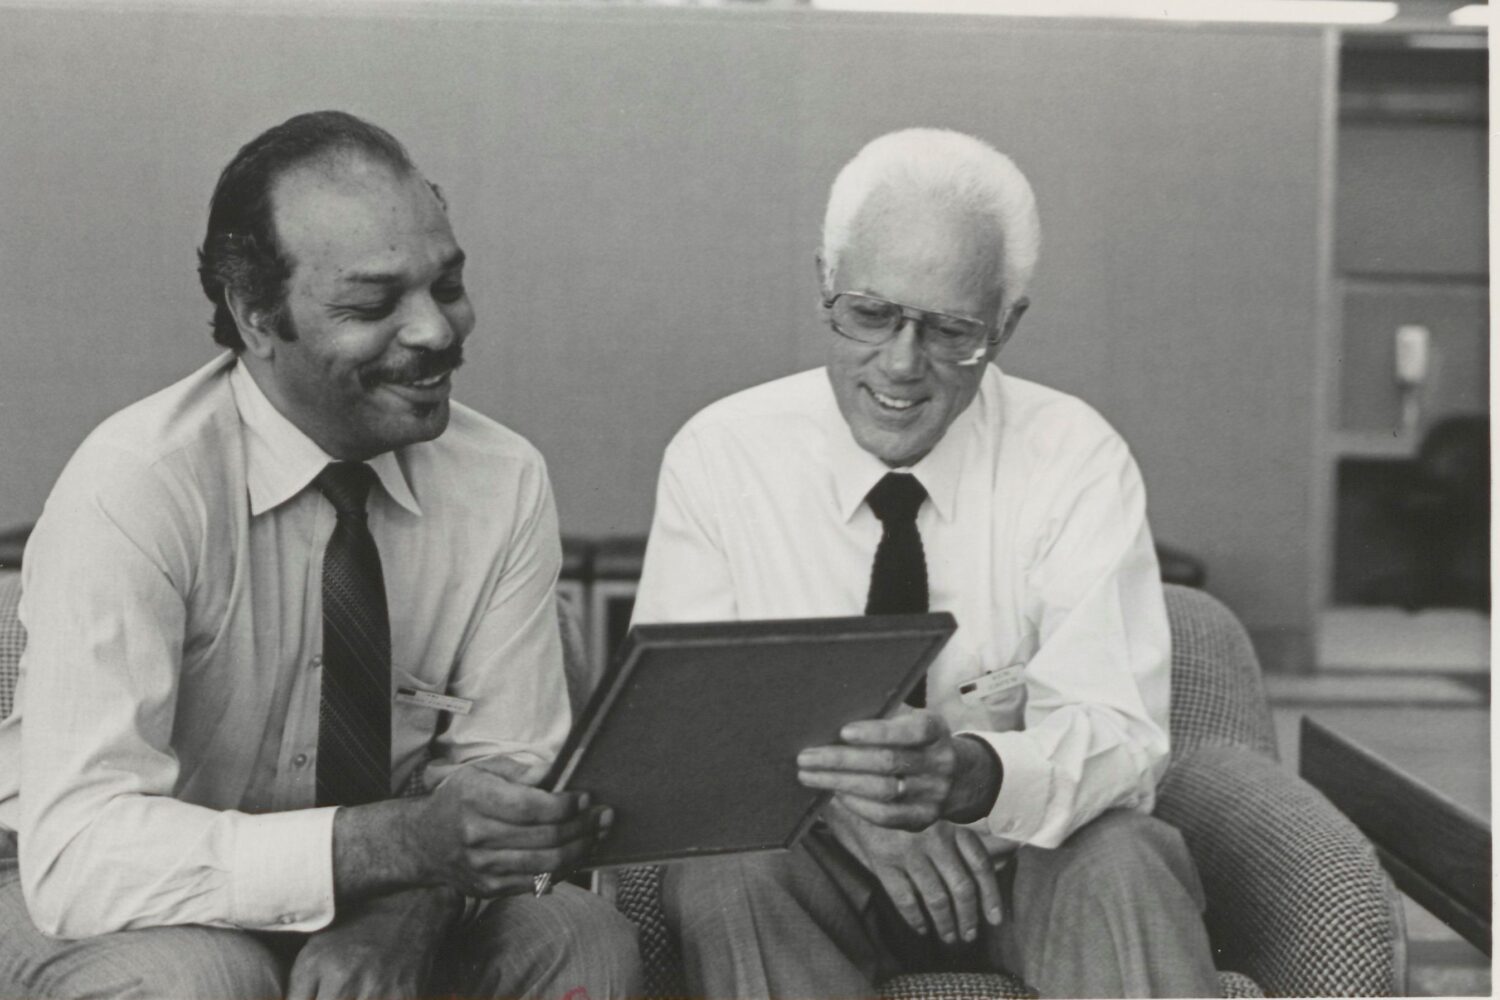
1003 820
267 599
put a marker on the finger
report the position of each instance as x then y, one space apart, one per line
935 898
499 834
499 798
982 867
914 729
903 895
519 771
301 984
959 880
348 986
877 787
494 886
494 865
884 759
910 816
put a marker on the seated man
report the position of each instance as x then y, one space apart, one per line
909 475
260 600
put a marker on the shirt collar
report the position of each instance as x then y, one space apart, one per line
856 471
280 460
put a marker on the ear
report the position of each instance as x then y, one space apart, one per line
825 280
256 325
1012 320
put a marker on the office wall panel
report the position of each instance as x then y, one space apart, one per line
639 190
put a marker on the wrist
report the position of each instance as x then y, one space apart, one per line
977 780
378 848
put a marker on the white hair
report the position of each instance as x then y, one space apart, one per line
956 169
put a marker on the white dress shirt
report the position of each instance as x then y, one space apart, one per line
1036 540
160 767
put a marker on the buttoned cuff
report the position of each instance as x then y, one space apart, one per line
1020 808
283 870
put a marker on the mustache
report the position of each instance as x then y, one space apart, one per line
418 365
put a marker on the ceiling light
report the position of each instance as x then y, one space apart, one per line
1255 11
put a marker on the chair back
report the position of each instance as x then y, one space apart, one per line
12 639
1218 694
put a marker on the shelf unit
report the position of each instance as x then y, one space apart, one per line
1406 245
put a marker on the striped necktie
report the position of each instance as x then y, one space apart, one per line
354 716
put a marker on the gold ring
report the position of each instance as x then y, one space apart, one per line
900 788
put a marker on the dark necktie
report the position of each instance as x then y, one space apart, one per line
898 578
354 717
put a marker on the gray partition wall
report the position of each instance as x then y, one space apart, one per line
639 190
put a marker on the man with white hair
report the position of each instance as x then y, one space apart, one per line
1003 820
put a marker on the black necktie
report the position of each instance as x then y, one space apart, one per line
898 578
354 717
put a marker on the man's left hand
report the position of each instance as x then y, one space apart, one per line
382 950
905 773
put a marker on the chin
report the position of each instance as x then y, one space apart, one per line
414 430
430 426
893 452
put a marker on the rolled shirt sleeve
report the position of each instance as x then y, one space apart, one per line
104 845
511 668
1098 687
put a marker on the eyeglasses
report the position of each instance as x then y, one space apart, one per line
872 320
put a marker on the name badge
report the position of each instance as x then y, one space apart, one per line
986 686
431 699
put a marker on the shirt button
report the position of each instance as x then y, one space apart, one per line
286 918
315 662
300 760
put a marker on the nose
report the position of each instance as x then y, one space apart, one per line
902 356
427 326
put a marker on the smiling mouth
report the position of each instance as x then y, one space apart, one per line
893 404
431 389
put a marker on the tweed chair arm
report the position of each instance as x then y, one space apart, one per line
637 894
1218 695
1297 898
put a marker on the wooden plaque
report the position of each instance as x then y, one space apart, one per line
693 733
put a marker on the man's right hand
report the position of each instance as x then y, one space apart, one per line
941 877
486 830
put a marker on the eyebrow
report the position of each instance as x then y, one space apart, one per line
452 262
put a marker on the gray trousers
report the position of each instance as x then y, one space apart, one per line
1113 912
571 942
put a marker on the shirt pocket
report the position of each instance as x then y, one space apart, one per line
413 726
1001 690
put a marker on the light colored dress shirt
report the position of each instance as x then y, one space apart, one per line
1036 540
161 764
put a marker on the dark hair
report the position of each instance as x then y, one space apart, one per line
241 251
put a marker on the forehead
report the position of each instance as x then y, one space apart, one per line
923 252
351 214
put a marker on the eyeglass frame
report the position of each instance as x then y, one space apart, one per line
921 317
